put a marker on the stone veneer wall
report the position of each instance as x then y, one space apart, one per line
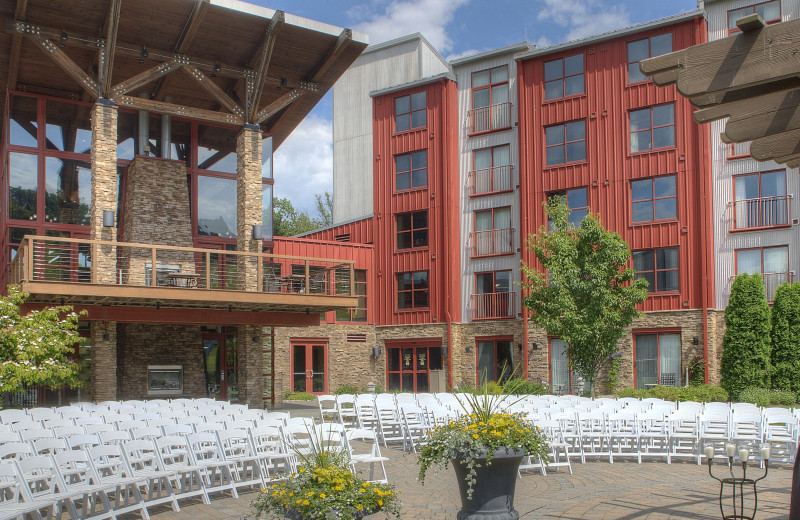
143 344
465 347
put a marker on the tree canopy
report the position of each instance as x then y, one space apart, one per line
581 289
289 221
785 338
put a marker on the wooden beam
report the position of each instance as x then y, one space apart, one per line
66 64
214 89
755 117
192 24
332 55
751 22
108 51
777 145
263 57
171 109
277 105
16 46
144 78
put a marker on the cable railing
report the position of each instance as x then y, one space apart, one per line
82 261
496 179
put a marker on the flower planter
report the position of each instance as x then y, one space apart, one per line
293 514
493 491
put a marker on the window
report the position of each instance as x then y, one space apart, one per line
412 290
411 170
652 127
492 173
493 297
23 186
659 267
770 12
412 229
565 143
738 150
216 207
576 203
409 112
408 366
563 77
495 360
490 107
343 287
760 200
658 360
643 49
493 234
562 379
654 199
772 263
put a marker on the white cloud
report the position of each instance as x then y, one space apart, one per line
584 18
400 17
303 165
470 52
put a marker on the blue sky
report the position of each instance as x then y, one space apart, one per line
303 164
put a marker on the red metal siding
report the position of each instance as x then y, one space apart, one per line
359 232
610 166
440 258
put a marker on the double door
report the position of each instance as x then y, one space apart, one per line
309 367
220 354
409 366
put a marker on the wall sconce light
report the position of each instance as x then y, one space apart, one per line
64 35
284 82
376 352
144 52
469 349
519 347
258 232
444 351
695 340
535 346
255 339
106 337
217 67
108 218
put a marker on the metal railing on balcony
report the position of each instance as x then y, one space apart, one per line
491 242
772 281
738 150
488 119
763 212
487 306
496 179
71 260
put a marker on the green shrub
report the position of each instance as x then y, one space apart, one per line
521 386
785 397
667 393
346 388
612 381
491 388
378 389
697 371
298 396
757 396
785 355
702 393
746 344
633 392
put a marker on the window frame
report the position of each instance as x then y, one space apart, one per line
658 333
410 113
649 55
411 291
752 9
565 142
563 78
508 304
490 86
565 194
410 231
492 171
651 129
734 200
656 269
493 229
495 340
761 249
410 171
357 283
653 200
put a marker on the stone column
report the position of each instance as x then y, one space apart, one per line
251 365
104 360
104 187
248 199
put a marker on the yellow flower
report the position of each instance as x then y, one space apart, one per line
363 490
305 502
338 488
322 495
298 501
380 502
474 435
311 493
302 470
359 507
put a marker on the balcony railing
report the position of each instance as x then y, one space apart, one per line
763 212
496 179
71 260
738 150
772 281
492 305
491 242
488 119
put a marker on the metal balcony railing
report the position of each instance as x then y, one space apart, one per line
496 179
772 281
763 212
492 305
71 260
488 119
491 242
738 150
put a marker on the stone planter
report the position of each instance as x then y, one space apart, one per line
493 491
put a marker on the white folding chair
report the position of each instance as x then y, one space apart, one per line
217 472
237 448
363 448
142 462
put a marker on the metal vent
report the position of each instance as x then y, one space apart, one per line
356 338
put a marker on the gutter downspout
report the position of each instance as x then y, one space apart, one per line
446 249
523 224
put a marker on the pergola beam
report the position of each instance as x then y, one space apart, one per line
16 46
332 55
192 24
214 89
66 64
170 109
263 57
144 78
277 105
108 51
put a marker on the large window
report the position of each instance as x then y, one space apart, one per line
410 112
563 77
493 234
23 183
577 204
495 360
658 360
68 191
565 143
216 207
772 263
654 199
493 297
659 267
490 107
492 171
412 229
562 378
412 290
770 12
343 287
652 127
411 170
647 48
760 200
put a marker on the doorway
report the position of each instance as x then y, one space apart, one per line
221 360
408 367
309 366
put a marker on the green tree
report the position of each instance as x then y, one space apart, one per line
289 221
581 290
746 345
785 338
325 208
35 348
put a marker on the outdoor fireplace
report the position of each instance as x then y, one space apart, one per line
165 379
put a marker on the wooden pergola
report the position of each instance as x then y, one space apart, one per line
253 65
752 78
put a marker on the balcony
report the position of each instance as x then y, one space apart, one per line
760 213
95 272
487 181
487 306
772 281
489 119
491 242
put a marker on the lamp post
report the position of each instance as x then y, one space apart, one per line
738 484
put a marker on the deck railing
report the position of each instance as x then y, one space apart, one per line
488 119
72 260
491 242
772 281
496 179
492 305
763 212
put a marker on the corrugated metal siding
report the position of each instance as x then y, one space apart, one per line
360 232
725 243
470 204
610 167
438 138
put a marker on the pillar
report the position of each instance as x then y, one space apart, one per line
251 365
104 188
104 360
248 199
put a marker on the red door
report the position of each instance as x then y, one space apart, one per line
309 367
